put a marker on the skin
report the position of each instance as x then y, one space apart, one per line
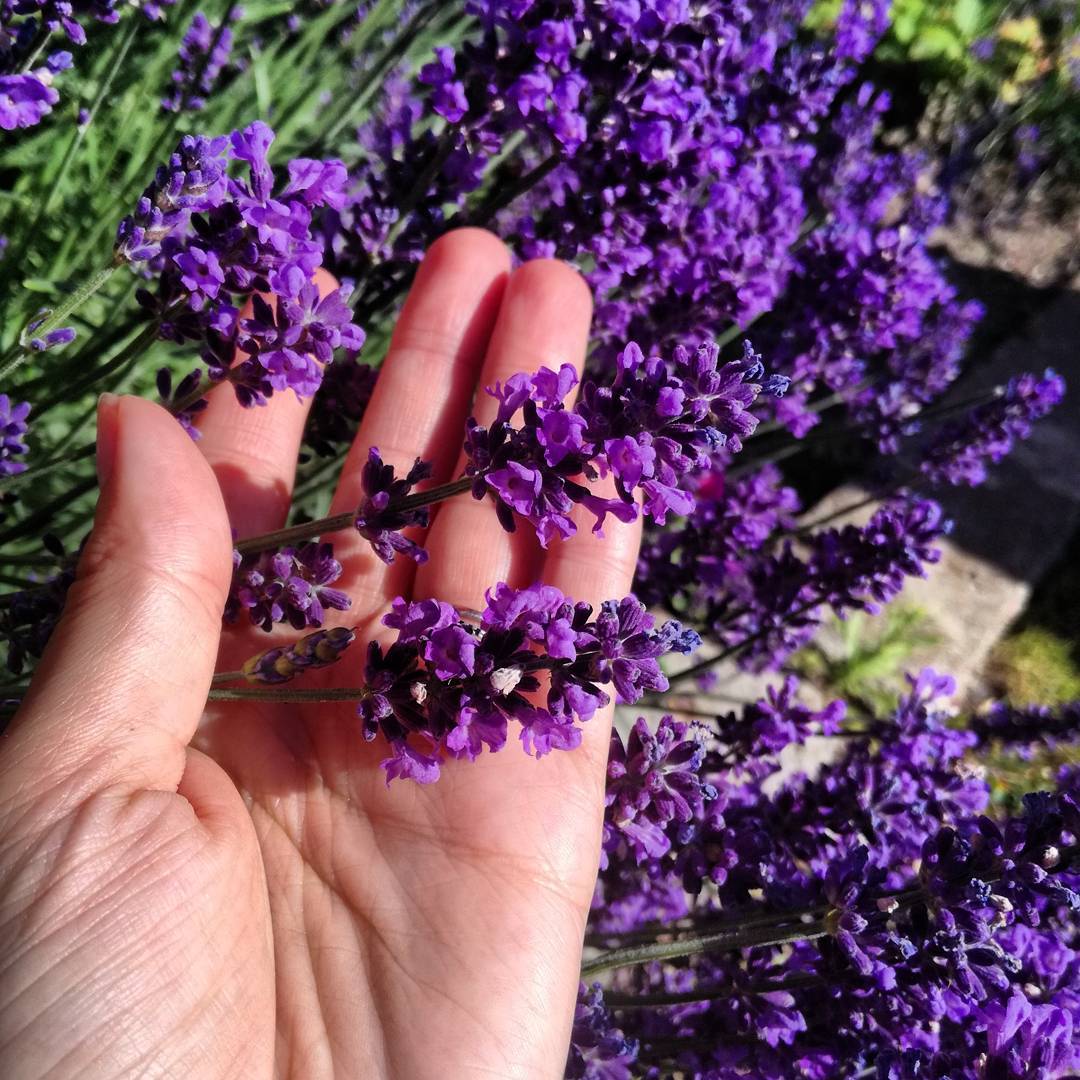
234 891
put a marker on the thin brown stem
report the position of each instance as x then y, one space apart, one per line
335 522
254 693
689 946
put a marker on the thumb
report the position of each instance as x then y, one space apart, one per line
122 684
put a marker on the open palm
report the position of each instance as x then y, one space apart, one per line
235 891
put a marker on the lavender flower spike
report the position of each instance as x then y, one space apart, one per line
13 427
204 52
654 426
287 586
279 665
376 518
988 432
447 688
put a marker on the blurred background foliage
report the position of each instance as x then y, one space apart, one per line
992 83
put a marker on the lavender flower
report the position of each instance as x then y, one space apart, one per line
193 181
204 52
679 566
766 605
219 239
26 99
26 92
868 917
656 424
320 649
598 1049
13 428
291 342
379 520
959 454
28 616
52 339
654 787
650 428
171 398
1022 729
287 586
446 688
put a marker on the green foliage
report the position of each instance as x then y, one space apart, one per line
937 33
864 659
997 80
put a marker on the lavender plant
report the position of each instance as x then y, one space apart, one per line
715 172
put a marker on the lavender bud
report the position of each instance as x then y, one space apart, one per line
279 665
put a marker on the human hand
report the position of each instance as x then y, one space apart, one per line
233 891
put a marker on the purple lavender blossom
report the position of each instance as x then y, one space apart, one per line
657 423
446 688
193 181
654 787
448 93
170 397
204 52
13 428
764 604
960 452
26 92
650 429
678 567
290 342
1023 729
865 567
379 520
598 1049
320 649
883 921
291 586
28 616
26 99
223 239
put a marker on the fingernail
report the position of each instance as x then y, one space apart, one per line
108 417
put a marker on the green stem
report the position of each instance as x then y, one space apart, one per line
226 676
56 317
199 391
36 49
656 931
124 44
43 470
850 508
722 941
132 351
336 522
252 693
725 654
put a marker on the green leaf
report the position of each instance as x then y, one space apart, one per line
968 17
937 43
905 27
39 285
